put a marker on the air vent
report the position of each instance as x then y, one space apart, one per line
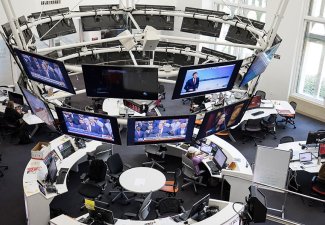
52 2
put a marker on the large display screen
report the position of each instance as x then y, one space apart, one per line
38 107
221 119
205 79
89 125
45 70
121 82
160 129
259 64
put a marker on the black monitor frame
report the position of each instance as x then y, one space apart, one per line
220 167
16 98
182 75
63 70
216 53
199 206
132 122
113 121
102 215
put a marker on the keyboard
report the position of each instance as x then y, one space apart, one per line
62 174
257 113
307 163
213 168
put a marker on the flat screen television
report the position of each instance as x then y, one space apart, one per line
219 159
165 129
235 112
16 98
220 55
259 64
205 79
313 137
45 70
128 82
89 125
38 107
255 102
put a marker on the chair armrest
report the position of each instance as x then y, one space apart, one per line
182 208
201 172
129 215
127 165
83 176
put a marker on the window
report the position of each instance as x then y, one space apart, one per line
311 80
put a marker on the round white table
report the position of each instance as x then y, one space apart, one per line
142 180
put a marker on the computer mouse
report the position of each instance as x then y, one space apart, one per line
302 167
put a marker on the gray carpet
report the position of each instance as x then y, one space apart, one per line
17 156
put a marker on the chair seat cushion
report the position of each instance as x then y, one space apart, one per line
319 190
169 187
288 115
89 190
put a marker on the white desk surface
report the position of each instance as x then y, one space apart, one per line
32 119
142 180
296 148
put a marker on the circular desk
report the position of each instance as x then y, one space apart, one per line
142 180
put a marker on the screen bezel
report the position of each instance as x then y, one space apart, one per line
258 104
220 167
131 129
89 77
31 108
16 96
65 75
113 121
182 74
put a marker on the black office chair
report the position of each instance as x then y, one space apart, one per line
252 128
261 93
103 152
190 175
286 139
171 186
169 207
318 185
7 129
156 154
143 211
116 168
289 118
94 183
269 125
2 167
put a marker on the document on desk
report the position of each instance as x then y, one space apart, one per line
165 221
123 222
139 182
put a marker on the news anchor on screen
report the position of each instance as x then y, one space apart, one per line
138 134
181 130
193 83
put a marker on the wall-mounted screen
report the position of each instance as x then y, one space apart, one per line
160 129
128 82
204 79
89 125
213 52
45 70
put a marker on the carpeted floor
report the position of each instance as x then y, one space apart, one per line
12 210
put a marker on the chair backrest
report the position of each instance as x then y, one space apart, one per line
103 151
169 205
260 93
145 207
97 170
115 164
272 119
293 105
286 139
321 173
188 168
253 124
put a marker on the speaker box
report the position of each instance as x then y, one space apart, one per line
151 39
128 43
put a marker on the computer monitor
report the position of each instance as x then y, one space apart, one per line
305 157
255 102
121 81
45 70
52 171
206 148
16 98
164 129
199 206
220 159
38 107
259 64
256 205
235 112
321 150
101 215
313 137
213 122
204 79
66 149
220 55
88 125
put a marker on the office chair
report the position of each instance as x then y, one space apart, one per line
116 168
2 167
7 129
94 182
252 127
154 153
269 125
190 175
286 139
318 185
169 207
103 152
171 186
143 211
289 118
261 93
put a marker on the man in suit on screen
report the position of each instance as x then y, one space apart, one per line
193 83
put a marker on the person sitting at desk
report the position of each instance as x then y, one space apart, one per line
14 116
197 157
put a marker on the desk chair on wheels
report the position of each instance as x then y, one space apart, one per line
116 168
318 185
171 186
94 183
168 207
190 175
286 139
144 209
269 125
156 154
252 128
289 118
